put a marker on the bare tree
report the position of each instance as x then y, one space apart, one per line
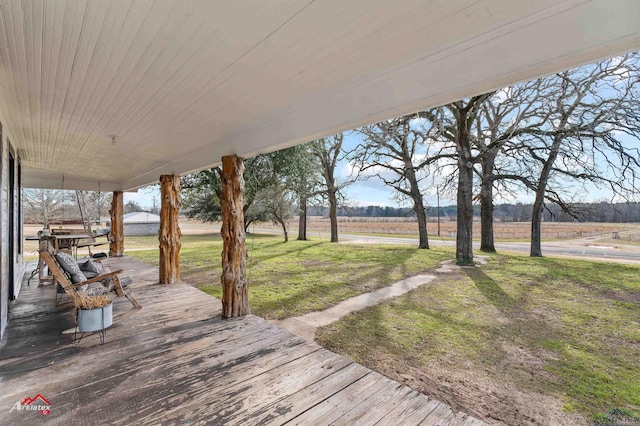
45 204
98 204
328 151
591 121
500 119
455 124
396 151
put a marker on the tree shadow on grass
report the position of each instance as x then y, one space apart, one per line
490 289
325 293
356 335
343 280
607 284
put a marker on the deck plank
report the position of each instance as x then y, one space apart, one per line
175 361
291 406
333 408
442 415
374 407
413 410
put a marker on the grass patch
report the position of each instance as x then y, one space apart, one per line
564 328
290 279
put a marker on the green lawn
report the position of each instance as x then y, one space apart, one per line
290 279
565 328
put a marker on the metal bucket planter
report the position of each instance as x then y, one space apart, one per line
95 320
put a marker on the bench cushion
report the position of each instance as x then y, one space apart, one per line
70 266
91 269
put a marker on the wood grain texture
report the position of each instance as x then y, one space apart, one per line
169 232
235 299
116 236
178 362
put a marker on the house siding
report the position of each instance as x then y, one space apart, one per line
4 244
9 259
4 240
140 229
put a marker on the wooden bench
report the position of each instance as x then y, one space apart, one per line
73 239
71 289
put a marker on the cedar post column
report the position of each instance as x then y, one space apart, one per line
169 233
116 236
235 302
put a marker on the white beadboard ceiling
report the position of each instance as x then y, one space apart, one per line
182 83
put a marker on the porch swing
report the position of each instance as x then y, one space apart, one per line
90 241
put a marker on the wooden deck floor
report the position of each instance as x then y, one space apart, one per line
176 362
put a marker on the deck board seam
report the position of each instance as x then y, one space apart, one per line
327 398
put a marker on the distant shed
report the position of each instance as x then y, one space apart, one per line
139 224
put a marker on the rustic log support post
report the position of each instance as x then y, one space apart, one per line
235 301
116 235
169 233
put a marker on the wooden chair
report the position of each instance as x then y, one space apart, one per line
71 289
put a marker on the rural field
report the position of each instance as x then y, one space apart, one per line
502 230
318 227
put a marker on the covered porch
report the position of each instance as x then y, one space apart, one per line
112 96
176 361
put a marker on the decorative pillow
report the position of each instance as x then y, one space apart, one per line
91 269
70 266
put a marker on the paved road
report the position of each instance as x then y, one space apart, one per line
585 248
582 248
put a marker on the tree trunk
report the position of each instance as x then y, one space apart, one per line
536 224
283 224
418 207
333 215
464 235
422 225
169 233
235 301
116 236
302 221
538 204
486 203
